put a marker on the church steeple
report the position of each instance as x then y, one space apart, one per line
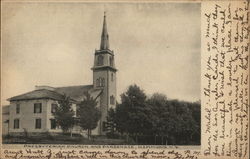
104 75
105 36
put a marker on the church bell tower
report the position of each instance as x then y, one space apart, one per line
104 74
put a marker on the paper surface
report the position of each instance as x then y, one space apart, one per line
224 97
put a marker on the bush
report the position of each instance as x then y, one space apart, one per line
8 136
48 136
113 135
25 132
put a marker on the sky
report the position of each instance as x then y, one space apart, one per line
156 46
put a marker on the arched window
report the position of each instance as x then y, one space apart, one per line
111 61
112 77
98 82
102 82
112 100
100 60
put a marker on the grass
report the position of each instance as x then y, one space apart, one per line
60 139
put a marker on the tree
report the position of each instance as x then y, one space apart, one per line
64 114
132 117
120 119
185 126
88 114
159 115
110 125
195 108
174 121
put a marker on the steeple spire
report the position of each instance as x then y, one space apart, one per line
105 36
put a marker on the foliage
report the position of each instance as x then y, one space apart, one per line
88 114
48 135
156 117
64 114
110 124
26 134
132 113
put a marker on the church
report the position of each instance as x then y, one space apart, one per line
32 112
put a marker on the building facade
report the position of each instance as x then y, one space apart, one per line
32 112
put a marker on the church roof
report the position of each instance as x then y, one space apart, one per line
76 93
38 94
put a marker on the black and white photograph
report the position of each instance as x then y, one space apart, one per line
101 73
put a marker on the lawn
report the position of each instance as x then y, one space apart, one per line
61 139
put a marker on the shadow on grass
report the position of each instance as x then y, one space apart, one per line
47 138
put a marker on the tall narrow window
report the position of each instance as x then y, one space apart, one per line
98 82
100 60
52 123
17 108
38 108
53 108
111 61
103 82
112 77
16 124
38 124
112 100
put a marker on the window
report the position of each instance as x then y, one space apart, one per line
99 60
98 82
16 124
111 61
52 123
38 108
112 77
112 99
53 108
103 82
17 108
38 123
